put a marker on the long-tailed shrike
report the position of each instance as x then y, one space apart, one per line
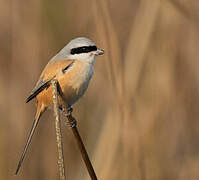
73 68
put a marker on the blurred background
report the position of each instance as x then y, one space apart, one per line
139 117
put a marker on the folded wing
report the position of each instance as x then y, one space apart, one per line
49 72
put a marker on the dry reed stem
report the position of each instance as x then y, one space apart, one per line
114 62
138 45
58 132
139 41
188 10
105 28
72 122
82 149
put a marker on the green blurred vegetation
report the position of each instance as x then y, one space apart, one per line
139 117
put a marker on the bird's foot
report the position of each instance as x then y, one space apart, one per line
71 122
66 112
69 111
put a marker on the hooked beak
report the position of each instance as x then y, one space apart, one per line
99 52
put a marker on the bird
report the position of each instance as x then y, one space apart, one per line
73 68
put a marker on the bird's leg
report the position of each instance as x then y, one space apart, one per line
67 112
71 122
66 109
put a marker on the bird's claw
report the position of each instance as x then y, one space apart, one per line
71 122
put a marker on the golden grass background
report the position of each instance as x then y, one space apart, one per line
139 117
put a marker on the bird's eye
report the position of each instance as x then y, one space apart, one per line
84 49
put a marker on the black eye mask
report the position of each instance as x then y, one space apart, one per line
83 49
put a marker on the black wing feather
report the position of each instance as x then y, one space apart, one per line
40 87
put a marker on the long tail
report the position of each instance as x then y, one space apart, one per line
35 123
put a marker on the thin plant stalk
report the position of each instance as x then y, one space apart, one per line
82 149
58 131
72 122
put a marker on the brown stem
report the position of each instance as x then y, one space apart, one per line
77 136
58 131
82 149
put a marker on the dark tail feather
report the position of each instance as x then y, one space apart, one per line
39 87
32 96
35 123
42 86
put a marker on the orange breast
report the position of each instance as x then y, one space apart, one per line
73 82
